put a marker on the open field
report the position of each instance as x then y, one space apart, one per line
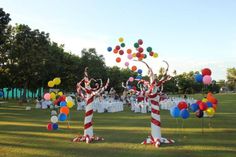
24 134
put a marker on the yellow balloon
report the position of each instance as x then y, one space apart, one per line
204 100
121 39
53 95
70 104
210 111
155 55
50 83
134 54
57 81
60 93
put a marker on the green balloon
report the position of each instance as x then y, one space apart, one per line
122 44
149 49
136 45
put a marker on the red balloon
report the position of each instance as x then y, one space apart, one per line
198 102
140 49
117 47
138 55
140 41
118 59
49 127
203 106
206 71
121 52
182 105
151 53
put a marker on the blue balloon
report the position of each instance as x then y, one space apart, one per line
198 78
62 117
175 112
109 49
1 94
140 71
62 103
209 104
139 77
55 126
184 113
194 107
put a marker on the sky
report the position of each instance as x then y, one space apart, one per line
189 34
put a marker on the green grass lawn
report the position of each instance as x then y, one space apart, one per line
23 133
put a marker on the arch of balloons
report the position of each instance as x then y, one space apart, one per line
59 101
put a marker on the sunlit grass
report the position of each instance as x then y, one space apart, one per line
23 133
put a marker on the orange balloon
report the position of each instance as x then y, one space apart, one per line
118 59
140 58
129 51
115 51
65 110
134 68
212 99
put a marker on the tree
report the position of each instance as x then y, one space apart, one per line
231 78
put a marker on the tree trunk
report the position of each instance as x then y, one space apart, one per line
13 93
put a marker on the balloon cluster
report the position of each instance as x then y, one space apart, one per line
60 101
138 52
55 81
205 107
205 77
181 110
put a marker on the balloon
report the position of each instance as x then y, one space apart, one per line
126 63
198 78
54 119
145 56
56 81
134 54
139 77
121 39
69 98
122 44
64 110
118 59
184 113
50 83
49 126
151 53
140 71
129 51
209 104
175 112
155 55
60 93
134 68
210 111
130 56
194 107
138 54
70 104
53 113
209 94
47 96
204 100
206 71
52 95
62 98
140 41
202 106
140 49
121 52
199 113
134 88
182 105
149 49
131 79
62 117
206 79
55 126
115 51
198 102
62 103
117 47
136 45
212 99
109 49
